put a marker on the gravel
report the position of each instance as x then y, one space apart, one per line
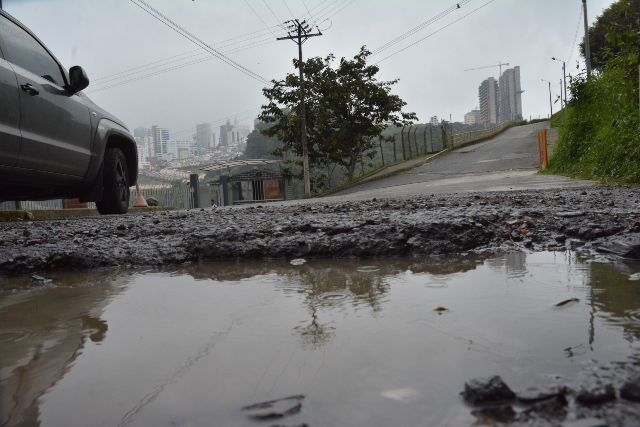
603 219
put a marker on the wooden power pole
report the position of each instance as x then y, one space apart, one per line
299 33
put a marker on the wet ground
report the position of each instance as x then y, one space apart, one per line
591 220
384 342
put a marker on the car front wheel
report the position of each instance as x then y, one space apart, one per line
115 198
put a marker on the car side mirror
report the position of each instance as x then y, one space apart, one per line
78 79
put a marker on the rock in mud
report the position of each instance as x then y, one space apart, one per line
482 391
631 390
596 394
278 408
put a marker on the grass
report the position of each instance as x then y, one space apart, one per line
601 136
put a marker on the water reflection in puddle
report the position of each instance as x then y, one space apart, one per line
364 343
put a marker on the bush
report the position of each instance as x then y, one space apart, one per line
601 137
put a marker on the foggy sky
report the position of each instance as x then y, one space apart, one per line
112 36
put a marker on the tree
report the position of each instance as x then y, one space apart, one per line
620 14
260 146
346 110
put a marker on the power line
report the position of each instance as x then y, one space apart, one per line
259 17
575 38
292 15
308 11
339 10
168 22
435 32
331 8
155 73
420 27
165 62
274 15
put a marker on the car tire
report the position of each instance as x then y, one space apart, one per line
115 183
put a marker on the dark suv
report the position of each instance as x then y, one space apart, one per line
54 141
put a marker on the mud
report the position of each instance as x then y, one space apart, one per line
601 219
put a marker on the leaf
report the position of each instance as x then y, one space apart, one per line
563 303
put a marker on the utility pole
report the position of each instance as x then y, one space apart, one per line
564 76
299 33
587 48
550 102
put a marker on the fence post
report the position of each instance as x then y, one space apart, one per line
415 140
381 152
425 139
224 180
409 141
395 157
195 184
404 153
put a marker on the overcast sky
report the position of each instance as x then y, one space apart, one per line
107 37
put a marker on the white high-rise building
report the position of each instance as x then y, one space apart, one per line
160 139
510 95
434 121
175 148
145 153
489 98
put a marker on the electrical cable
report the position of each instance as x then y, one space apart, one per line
420 27
260 18
339 10
309 12
144 69
274 15
331 8
435 32
575 38
292 15
169 23
155 73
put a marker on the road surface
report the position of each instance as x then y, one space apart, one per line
507 162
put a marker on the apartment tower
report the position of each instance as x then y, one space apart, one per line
489 96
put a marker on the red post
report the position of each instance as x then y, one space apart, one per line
544 147
540 149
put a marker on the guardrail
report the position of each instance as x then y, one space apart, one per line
461 139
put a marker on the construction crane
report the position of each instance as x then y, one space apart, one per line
499 64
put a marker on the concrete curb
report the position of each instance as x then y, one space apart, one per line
46 214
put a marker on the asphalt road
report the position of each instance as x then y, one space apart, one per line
507 162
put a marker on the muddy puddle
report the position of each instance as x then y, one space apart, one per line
368 343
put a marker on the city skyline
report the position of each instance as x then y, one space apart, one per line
211 91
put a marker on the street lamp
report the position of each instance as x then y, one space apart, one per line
564 75
550 103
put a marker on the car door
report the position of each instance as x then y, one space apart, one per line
9 115
55 125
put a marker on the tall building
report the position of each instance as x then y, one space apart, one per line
510 95
160 139
204 136
224 132
472 117
238 134
489 96
434 120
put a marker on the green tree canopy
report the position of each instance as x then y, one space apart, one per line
347 108
622 13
